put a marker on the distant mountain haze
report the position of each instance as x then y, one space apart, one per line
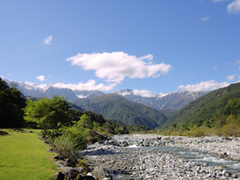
131 107
173 100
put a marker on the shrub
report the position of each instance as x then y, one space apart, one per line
66 148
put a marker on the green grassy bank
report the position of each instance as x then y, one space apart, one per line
24 156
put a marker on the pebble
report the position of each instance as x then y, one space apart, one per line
119 162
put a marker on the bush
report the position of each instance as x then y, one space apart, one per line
199 131
66 148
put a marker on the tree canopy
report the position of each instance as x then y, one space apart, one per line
49 113
11 106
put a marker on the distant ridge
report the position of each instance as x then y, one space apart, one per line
115 107
173 100
48 90
204 107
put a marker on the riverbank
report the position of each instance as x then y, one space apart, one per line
108 159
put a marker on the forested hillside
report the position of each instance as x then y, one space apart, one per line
204 107
115 107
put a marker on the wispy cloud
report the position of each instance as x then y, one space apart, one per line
89 85
231 77
48 40
218 0
237 62
205 19
41 78
203 86
115 66
143 93
234 7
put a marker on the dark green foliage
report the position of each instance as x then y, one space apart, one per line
225 122
168 112
233 108
116 127
48 113
113 106
205 107
11 104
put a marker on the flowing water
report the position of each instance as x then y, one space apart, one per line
211 159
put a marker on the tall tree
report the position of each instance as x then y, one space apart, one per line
49 114
11 106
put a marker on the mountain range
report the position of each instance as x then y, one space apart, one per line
127 106
173 101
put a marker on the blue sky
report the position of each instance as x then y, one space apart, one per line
148 45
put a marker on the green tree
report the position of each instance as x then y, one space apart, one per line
11 104
85 121
49 114
233 107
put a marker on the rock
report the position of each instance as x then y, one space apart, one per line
235 157
50 150
146 143
87 177
123 143
79 169
67 162
67 169
100 136
59 176
71 174
58 157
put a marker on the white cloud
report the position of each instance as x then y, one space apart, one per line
218 0
2 77
41 78
90 85
116 66
203 86
237 62
48 40
231 77
204 19
143 93
234 7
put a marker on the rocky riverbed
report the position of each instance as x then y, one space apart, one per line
113 159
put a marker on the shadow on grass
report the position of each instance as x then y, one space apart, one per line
3 133
18 130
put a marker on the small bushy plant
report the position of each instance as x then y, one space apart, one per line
66 148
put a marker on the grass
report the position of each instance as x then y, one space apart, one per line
24 156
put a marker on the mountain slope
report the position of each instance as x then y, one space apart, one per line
204 107
173 100
116 107
48 90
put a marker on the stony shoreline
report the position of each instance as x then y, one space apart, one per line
110 160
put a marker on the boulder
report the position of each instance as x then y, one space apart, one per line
59 176
71 174
87 177
68 162
58 157
100 136
123 143
236 158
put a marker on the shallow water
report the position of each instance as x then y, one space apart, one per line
211 159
